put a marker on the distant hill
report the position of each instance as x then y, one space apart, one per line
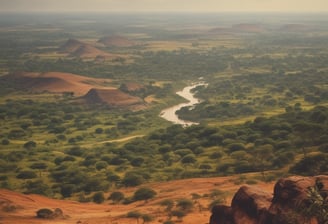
55 82
295 28
116 41
240 28
114 98
248 27
80 49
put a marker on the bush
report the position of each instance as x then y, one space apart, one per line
67 190
311 165
147 218
144 194
98 197
26 175
5 142
30 145
134 214
169 222
116 196
185 204
44 213
101 165
132 180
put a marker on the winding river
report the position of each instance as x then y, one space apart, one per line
169 113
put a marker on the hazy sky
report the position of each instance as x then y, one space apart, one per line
165 5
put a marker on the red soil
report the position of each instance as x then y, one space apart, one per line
55 82
90 213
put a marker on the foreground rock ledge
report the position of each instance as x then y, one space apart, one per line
251 205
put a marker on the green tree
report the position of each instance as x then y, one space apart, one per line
134 214
144 193
39 166
132 179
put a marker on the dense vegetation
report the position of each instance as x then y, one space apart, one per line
264 110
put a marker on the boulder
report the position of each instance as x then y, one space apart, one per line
221 214
251 205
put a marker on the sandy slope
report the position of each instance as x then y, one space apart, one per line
90 213
56 82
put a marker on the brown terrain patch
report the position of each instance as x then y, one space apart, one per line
55 82
90 213
113 98
247 27
295 28
80 49
116 41
239 28
133 86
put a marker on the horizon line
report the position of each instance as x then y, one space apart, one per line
161 12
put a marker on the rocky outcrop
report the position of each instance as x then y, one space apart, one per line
251 205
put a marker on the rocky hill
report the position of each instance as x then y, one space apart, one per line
80 49
55 82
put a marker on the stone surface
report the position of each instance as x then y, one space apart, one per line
251 205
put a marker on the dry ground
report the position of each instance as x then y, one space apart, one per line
90 213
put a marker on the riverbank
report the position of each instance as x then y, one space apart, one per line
170 113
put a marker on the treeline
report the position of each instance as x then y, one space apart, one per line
244 95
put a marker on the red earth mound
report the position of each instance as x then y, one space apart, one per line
55 82
113 97
80 49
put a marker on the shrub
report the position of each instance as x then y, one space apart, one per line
132 180
30 145
169 222
5 142
116 196
147 218
26 175
134 214
101 165
44 213
168 203
144 194
98 197
185 204
67 190
187 159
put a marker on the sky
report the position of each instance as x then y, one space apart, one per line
164 5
